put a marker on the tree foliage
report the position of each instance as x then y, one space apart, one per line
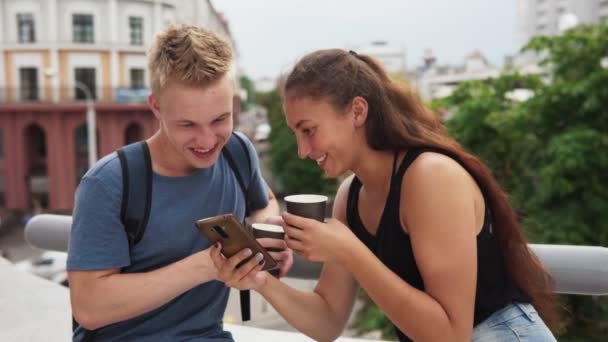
550 151
249 88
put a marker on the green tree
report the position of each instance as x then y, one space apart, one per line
249 88
548 151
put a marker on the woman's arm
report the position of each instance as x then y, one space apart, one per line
438 210
322 314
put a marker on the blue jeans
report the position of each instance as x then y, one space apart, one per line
514 322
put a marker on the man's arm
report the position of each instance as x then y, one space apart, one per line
102 297
272 209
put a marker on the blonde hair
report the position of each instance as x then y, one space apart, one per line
189 55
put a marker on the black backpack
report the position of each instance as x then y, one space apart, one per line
135 161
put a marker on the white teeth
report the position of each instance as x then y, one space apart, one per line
321 159
201 150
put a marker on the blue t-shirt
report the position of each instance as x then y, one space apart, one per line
98 241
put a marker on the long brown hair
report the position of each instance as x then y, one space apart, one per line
397 119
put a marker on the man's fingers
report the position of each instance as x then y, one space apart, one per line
216 256
278 220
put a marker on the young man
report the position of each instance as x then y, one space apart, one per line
165 287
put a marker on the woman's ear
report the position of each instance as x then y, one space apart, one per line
359 108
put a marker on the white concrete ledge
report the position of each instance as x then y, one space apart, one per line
35 309
32 308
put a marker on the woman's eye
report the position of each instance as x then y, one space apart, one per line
308 131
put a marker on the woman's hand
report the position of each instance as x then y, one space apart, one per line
284 257
246 276
317 241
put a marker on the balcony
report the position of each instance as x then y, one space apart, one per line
14 95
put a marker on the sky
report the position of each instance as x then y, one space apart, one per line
271 35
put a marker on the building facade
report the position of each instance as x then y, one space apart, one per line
543 17
435 81
55 55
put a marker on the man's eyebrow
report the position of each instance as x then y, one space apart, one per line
223 114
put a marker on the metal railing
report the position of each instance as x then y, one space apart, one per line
581 270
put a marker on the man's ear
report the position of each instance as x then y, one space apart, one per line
359 108
154 105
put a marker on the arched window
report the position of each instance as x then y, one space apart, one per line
133 133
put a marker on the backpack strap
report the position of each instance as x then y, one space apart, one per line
236 146
135 161
234 151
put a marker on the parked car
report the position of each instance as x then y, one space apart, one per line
50 265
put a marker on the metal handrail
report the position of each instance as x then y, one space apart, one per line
581 270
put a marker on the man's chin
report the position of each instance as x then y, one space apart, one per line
203 163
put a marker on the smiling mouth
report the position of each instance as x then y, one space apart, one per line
321 159
203 153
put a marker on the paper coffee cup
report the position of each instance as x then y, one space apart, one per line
305 205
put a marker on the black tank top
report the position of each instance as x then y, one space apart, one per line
495 288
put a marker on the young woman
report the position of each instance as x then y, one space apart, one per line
421 225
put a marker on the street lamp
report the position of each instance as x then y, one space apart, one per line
91 129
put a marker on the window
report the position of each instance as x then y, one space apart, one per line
137 78
28 78
137 31
25 28
83 28
86 77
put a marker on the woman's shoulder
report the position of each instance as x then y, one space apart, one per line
434 178
431 166
341 198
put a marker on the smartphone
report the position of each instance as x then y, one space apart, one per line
234 238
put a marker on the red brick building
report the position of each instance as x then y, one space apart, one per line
43 151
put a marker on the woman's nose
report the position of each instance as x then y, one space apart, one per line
303 148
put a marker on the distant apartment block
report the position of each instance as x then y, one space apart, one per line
542 17
53 54
435 81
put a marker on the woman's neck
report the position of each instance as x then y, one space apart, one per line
374 170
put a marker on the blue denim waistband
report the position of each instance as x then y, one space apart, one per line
511 311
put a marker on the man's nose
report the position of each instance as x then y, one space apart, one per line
205 138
